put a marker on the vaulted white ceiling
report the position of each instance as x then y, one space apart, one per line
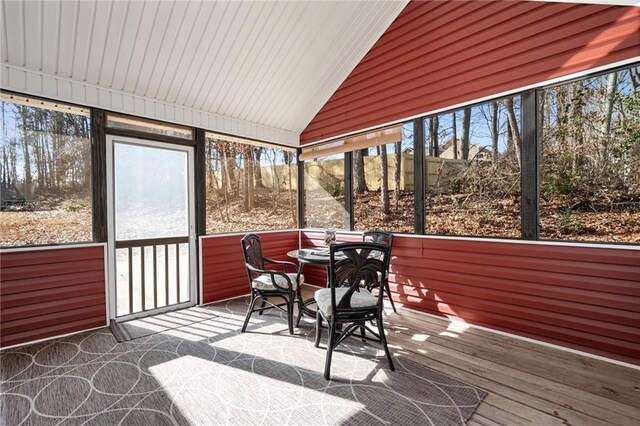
256 69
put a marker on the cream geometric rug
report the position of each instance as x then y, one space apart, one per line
209 373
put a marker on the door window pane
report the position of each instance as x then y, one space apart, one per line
45 172
151 192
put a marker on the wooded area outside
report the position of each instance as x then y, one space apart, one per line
590 166
249 187
45 173
477 189
589 172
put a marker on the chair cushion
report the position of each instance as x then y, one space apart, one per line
361 299
263 282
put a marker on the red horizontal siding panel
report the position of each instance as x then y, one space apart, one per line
223 272
49 292
437 54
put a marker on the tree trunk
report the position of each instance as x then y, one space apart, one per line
612 84
397 173
454 128
494 129
23 111
384 184
359 182
434 124
466 127
513 125
258 170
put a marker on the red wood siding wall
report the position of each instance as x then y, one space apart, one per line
223 271
46 293
585 298
441 53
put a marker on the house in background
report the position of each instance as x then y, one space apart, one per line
149 137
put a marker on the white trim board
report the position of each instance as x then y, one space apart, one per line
52 247
526 339
36 83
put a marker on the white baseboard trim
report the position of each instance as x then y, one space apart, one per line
526 339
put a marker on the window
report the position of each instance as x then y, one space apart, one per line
472 170
324 192
590 168
383 183
45 173
250 186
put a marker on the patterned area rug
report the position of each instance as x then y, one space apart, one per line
209 373
137 328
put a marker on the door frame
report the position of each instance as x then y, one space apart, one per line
111 251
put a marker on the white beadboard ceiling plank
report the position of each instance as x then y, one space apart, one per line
130 29
185 42
313 63
120 15
175 27
263 74
50 37
154 48
298 55
206 30
222 24
99 40
296 48
250 55
66 24
32 37
13 31
5 36
86 16
140 46
223 55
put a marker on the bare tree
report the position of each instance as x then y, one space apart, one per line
454 128
494 129
513 126
434 125
384 184
359 182
466 128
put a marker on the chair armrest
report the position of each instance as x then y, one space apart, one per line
273 273
295 267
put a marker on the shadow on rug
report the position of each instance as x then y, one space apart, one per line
209 373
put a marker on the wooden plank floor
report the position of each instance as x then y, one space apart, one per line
527 383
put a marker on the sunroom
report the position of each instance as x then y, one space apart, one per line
151 149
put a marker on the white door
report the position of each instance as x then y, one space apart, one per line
150 198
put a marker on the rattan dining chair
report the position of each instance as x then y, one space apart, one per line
381 237
346 306
281 282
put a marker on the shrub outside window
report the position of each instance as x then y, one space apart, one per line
590 167
45 173
249 186
472 170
